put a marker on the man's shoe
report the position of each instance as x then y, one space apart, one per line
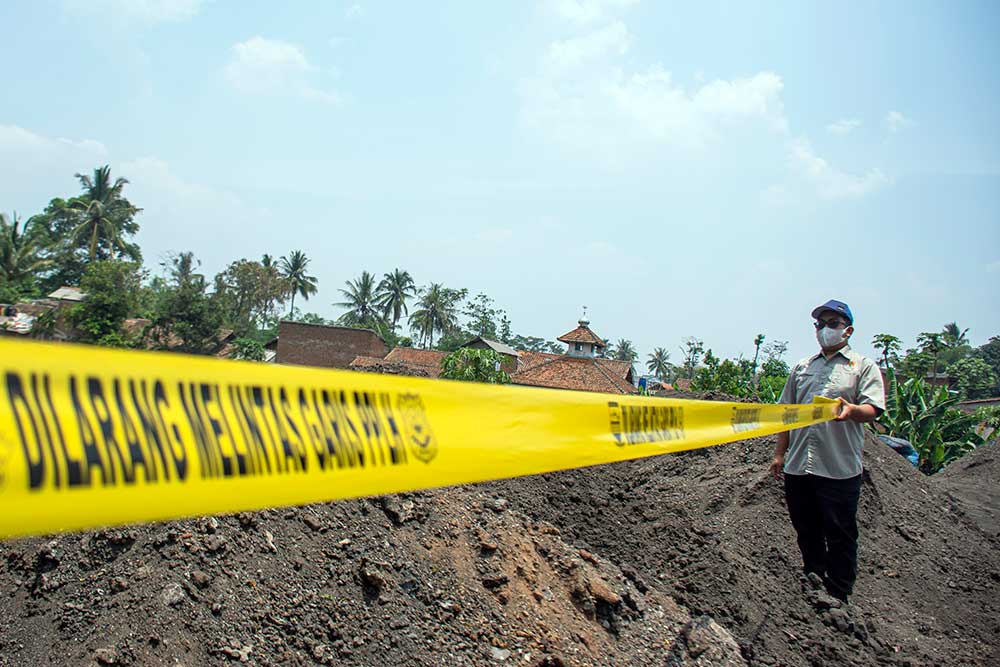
814 582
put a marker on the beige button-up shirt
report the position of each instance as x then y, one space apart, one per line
831 449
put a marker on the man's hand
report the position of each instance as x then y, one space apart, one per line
855 413
777 466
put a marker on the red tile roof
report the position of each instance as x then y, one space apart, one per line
535 369
582 334
380 365
427 360
561 371
362 362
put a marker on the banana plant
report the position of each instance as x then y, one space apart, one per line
924 416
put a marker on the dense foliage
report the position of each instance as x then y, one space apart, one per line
472 365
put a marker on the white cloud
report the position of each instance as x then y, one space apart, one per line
896 121
827 181
178 214
175 212
34 167
260 66
587 11
844 126
355 11
583 96
136 11
569 54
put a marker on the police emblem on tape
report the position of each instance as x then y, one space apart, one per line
421 438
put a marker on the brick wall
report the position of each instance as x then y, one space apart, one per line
329 347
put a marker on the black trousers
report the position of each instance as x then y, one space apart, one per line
824 514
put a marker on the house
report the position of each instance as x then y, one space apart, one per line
580 368
67 294
424 362
324 345
137 327
939 379
509 354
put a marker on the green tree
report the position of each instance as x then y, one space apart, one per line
659 364
486 320
293 269
392 294
248 349
973 378
110 290
931 344
528 343
774 367
437 312
889 345
311 318
185 318
726 376
22 256
953 336
770 381
471 365
104 217
692 350
990 353
624 351
248 296
757 342
776 349
359 300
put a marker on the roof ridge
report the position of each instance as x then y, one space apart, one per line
605 373
538 365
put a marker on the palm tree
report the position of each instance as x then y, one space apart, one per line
436 312
360 301
624 351
757 342
392 294
293 268
105 216
933 344
20 249
659 363
953 336
889 345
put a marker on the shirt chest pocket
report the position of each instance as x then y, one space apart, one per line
842 383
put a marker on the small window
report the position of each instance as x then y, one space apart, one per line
579 347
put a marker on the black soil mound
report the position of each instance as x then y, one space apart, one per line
685 560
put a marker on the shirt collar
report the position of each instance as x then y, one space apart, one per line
842 351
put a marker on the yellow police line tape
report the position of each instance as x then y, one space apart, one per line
94 437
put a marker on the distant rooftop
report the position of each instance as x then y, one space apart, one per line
66 293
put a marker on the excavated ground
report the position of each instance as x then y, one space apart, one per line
684 560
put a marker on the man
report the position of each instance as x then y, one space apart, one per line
822 463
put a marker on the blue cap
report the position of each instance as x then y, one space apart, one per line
838 307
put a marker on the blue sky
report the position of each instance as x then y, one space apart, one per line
696 169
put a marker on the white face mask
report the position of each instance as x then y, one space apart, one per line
830 337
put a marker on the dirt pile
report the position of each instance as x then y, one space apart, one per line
683 560
449 578
709 528
973 482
